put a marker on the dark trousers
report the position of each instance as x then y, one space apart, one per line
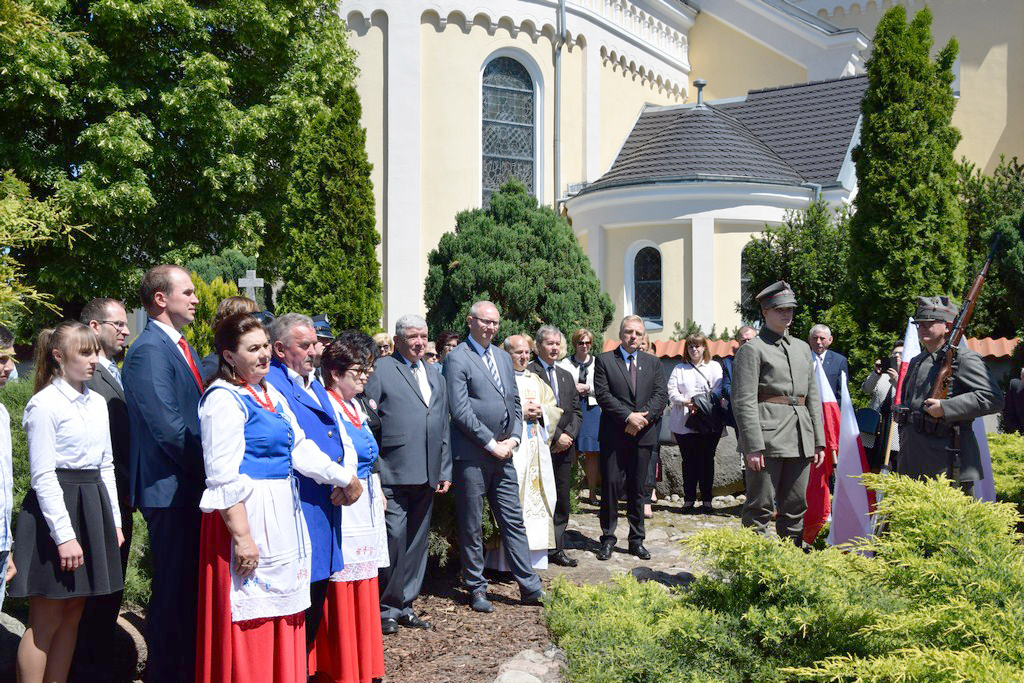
652 474
171 619
624 466
496 479
698 451
783 480
407 519
562 465
315 612
92 661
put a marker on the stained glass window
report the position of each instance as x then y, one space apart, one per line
508 130
647 284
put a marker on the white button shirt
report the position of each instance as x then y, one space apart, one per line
6 480
70 431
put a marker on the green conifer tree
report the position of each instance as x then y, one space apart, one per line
907 232
523 257
326 252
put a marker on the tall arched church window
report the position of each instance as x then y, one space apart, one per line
508 125
647 284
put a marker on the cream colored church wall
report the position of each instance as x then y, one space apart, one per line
623 96
991 38
730 239
369 45
733 63
673 241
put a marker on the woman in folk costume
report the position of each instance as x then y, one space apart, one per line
532 458
349 647
254 547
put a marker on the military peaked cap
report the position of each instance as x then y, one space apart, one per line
936 308
322 327
778 295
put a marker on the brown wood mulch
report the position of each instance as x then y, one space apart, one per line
464 646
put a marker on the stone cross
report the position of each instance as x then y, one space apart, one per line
250 282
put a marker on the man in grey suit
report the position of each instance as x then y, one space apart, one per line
109 320
486 419
415 462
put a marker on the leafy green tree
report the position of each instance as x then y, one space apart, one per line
25 223
229 265
809 251
162 124
907 232
990 204
326 255
523 257
200 332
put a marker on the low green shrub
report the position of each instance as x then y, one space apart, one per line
941 600
1008 467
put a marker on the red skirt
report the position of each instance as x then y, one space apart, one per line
349 646
271 650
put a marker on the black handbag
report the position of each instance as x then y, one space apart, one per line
706 416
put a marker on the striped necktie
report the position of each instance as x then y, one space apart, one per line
489 362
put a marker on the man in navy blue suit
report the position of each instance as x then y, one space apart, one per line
162 387
294 340
834 364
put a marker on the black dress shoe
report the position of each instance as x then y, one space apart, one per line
388 626
561 559
605 552
413 621
639 550
479 602
536 597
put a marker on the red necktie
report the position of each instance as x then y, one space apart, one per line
191 363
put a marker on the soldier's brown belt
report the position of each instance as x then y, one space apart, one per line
782 400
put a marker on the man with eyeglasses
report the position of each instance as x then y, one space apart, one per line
935 435
109 320
487 418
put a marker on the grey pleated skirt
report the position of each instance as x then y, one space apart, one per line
35 552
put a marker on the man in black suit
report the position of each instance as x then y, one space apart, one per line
563 440
834 364
162 387
630 387
415 463
1013 410
109 320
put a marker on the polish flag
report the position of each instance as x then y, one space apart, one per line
985 489
853 503
819 500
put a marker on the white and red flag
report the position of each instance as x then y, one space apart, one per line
853 503
819 499
985 489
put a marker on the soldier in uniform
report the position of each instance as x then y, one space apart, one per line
935 435
778 417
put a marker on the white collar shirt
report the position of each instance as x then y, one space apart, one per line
172 334
67 430
305 382
6 480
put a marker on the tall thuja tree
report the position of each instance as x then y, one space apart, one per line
523 257
326 253
907 232
163 125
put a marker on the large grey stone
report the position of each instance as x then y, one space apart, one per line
728 472
513 676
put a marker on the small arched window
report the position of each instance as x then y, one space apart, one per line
508 125
647 284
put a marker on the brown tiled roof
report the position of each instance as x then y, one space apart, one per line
986 346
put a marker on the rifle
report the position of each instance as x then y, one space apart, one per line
944 377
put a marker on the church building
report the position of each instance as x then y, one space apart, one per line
670 132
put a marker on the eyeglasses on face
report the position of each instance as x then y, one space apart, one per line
430 354
485 322
360 371
117 324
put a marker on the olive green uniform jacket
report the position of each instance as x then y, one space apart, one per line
771 365
923 450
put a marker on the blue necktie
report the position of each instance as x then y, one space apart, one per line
116 374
